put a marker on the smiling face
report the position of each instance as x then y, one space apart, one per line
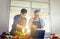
23 15
36 13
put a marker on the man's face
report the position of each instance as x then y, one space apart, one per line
36 14
23 15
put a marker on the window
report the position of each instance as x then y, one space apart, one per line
16 6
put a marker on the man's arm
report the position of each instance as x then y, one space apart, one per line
21 24
14 24
42 23
32 26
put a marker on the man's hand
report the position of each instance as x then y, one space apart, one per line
19 27
33 26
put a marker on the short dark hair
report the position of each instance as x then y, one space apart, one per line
23 11
37 11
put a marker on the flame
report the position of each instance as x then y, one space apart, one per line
23 30
27 27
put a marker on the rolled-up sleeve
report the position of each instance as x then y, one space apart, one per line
42 23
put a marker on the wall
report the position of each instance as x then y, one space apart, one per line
55 15
4 15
